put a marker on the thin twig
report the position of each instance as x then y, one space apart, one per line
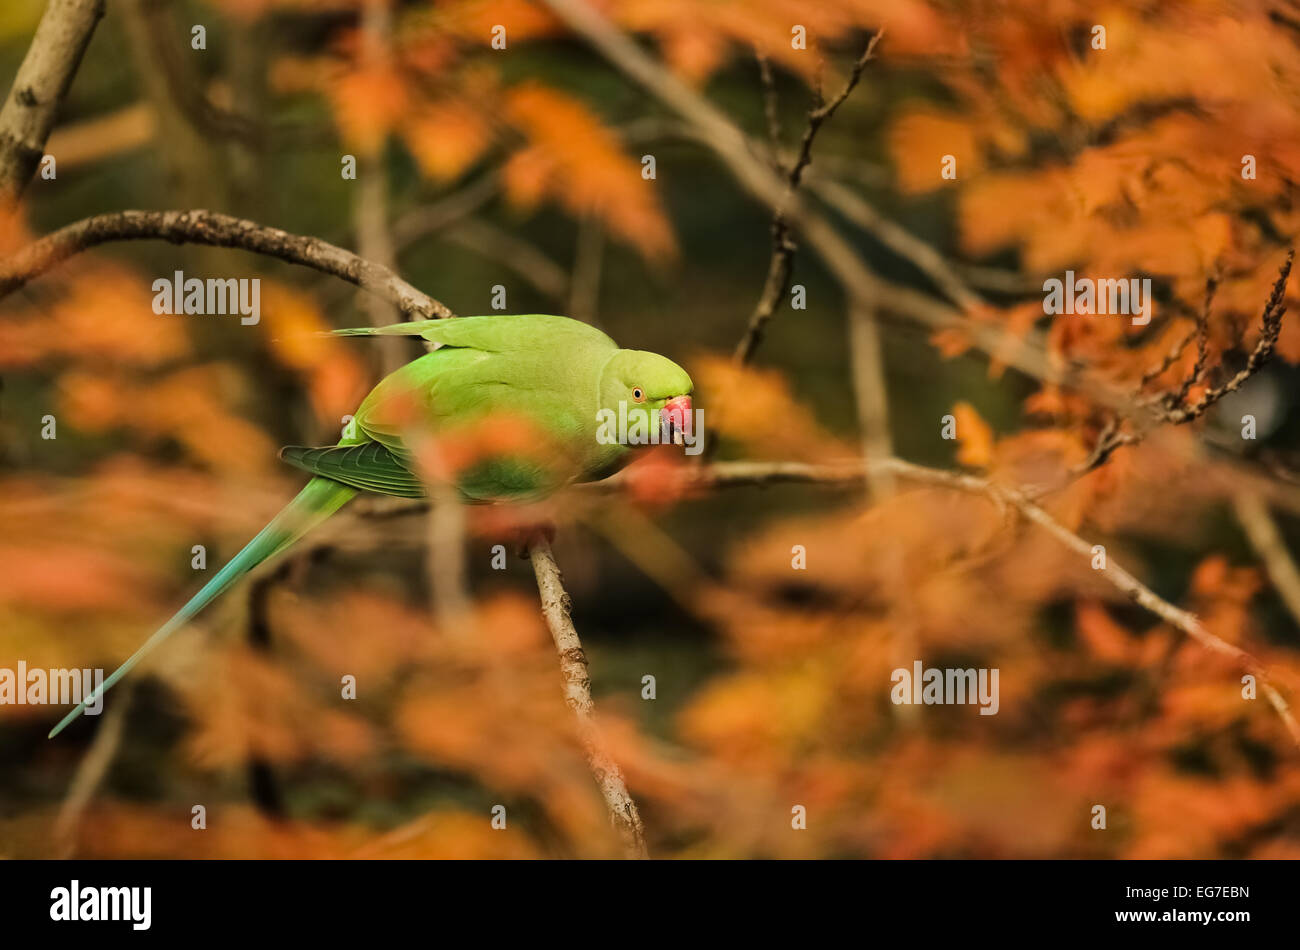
1168 407
775 286
867 357
588 261
781 264
1270 327
770 110
446 566
1170 359
431 218
508 249
577 693
826 109
1202 343
1265 538
91 771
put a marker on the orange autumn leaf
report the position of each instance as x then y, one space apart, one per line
1104 637
771 618
921 142
575 159
527 175
447 137
186 406
369 103
693 53
476 21
106 315
335 375
247 705
756 408
974 436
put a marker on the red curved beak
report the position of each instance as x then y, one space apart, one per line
676 417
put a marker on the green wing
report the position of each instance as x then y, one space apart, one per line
370 466
540 367
501 333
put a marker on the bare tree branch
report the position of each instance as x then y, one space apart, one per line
721 475
447 210
866 354
770 109
577 693
898 239
1265 538
1169 408
91 771
867 359
738 153
523 257
446 565
216 230
42 81
765 473
588 261
1270 327
827 109
370 201
1176 617
783 247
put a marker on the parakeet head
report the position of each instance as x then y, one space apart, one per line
650 389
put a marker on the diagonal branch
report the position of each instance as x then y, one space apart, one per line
1266 538
426 219
508 249
577 693
215 230
783 247
827 109
740 155
91 772
732 474
39 86
720 475
898 239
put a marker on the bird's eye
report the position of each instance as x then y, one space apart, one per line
638 395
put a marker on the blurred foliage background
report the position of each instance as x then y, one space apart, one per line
522 167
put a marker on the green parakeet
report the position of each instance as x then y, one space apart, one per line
557 378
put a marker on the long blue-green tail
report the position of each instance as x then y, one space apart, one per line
316 502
